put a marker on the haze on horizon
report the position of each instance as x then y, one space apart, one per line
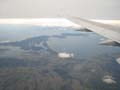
92 9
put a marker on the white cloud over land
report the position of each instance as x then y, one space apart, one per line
64 55
109 79
118 60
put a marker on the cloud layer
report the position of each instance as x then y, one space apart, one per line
102 9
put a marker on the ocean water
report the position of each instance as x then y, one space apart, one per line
56 58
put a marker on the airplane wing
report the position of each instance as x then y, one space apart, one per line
109 31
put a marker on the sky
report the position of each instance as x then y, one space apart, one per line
89 9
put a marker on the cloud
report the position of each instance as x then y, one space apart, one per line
65 55
118 60
109 79
40 21
4 41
